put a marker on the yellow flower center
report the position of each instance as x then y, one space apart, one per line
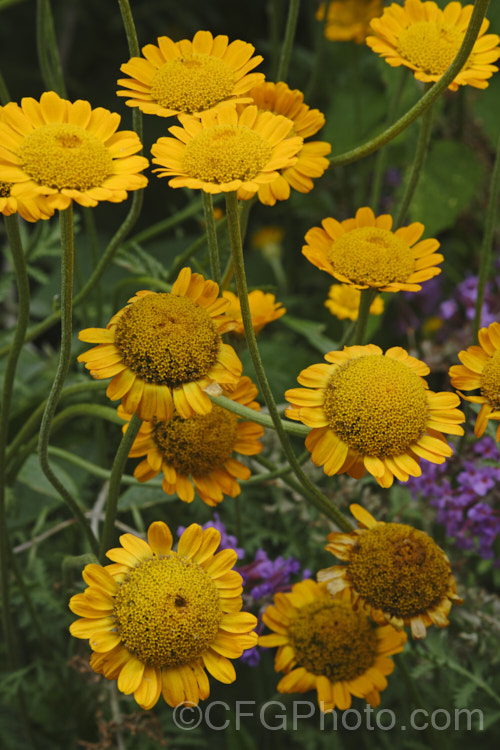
329 638
193 83
65 156
398 569
429 46
490 380
200 444
226 152
372 256
167 340
376 405
167 611
5 189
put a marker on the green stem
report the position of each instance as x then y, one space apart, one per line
4 92
365 302
213 247
31 423
286 49
275 473
478 14
93 240
114 484
489 229
319 45
128 23
192 249
98 471
317 497
383 153
275 20
417 166
23 292
192 209
77 410
41 45
52 52
255 416
67 253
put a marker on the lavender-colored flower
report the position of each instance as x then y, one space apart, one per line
272 575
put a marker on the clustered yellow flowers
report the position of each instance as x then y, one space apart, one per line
158 619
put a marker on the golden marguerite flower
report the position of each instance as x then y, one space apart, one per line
324 644
426 39
66 151
394 573
281 100
163 350
263 308
197 453
343 302
366 254
190 77
480 369
373 412
30 208
222 151
349 20
156 619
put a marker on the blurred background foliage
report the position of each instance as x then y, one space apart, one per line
65 704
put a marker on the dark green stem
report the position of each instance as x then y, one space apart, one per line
67 254
48 53
114 484
286 49
478 14
365 302
314 495
213 247
255 416
489 229
128 23
381 161
417 166
23 293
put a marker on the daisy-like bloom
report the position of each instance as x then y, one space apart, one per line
281 100
349 20
263 308
222 151
373 412
366 254
394 573
190 77
343 302
480 369
30 208
324 644
66 151
165 350
198 452
426 39
156 619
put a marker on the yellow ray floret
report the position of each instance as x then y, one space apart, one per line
366 254
156 618
164 350
371 411
190 77
324 644
395 573
223 151
426 39
55 152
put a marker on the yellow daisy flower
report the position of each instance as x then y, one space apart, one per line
373 412
68 152
156 619
196 453
366 254
165 350
222 151
281 100
480 369
324 644
263 308
31 209
426 39
343 302
394 573
190 77
349 20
